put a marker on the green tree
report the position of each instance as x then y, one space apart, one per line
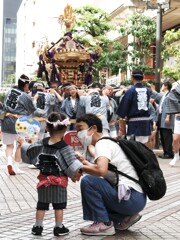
91 30
114 58
143 30
11 79
171 49
2 96
92 25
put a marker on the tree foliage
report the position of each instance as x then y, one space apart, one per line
115 58
143 30
11 79
2 96
92 24
91 30
171 49
97 23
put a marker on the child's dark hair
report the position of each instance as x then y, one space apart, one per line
54 117
91 119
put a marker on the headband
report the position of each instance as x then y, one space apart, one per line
58 122
24 80
137 75
38 84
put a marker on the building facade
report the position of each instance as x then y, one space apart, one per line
8 27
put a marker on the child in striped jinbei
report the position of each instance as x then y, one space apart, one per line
56 161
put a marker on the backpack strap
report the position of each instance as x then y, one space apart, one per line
131 178
115 169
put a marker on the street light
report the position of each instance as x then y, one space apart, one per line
160 5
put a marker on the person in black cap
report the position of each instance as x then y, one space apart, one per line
134 108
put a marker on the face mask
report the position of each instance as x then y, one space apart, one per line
84 138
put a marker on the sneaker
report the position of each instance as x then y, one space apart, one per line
61 231
166 156
10 170
98 229
31 166
37 230
173 162
17 169
128 222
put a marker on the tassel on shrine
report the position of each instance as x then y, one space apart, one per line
88 75
54 73
40 68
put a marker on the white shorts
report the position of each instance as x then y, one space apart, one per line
9 138
177 125
113 131
142 139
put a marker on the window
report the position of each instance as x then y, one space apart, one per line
8 20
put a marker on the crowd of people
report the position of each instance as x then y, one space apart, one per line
137 112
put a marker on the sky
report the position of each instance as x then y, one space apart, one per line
106 5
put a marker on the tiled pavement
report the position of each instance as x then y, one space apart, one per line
161 219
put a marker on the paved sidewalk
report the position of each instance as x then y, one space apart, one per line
161 219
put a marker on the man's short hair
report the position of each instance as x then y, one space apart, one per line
65 85
39 85
91 119
23 78
22 81
54 82
95 85
137 75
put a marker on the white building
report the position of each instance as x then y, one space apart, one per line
8 11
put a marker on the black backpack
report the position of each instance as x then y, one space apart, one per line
146 165
48 163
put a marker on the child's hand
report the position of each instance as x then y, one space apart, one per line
79 157
76 177
20 140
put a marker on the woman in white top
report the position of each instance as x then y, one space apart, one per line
109 206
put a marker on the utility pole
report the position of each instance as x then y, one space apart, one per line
158 47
